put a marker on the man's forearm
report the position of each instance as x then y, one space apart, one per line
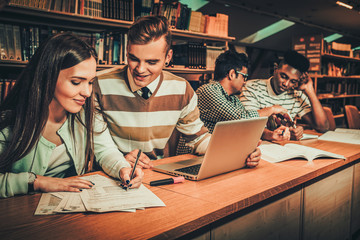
319 118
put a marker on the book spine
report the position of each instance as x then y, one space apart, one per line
3 43
17 42
10 41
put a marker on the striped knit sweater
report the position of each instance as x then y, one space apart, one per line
258 94
147 124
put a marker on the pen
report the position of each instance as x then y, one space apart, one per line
167 181
134 167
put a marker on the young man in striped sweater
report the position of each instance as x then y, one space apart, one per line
144 104
292 88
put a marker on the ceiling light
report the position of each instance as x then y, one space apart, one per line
195 5
333 37
344 5
267 31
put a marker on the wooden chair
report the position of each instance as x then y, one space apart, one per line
330 117
352 116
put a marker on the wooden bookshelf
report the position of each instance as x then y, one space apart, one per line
339 96
319 76
35 16
198 35
339 116
340 57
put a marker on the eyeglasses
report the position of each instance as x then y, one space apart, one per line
243 74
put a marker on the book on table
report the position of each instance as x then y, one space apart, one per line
277 153
343 135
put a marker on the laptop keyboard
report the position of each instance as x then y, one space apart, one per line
194 169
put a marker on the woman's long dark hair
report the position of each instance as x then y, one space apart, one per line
25 110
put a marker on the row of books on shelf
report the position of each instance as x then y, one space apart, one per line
5 87
114 9
180 16
340 69
341 49
19 43
195 55
331 89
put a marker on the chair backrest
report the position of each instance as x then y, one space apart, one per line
352 116
330 117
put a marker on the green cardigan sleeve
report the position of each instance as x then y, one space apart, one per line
11 183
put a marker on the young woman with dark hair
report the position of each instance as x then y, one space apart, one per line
49 128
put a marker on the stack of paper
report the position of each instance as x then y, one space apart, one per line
106 195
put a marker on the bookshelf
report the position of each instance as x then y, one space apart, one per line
336 77
90 27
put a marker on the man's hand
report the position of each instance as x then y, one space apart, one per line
144 161
254 158
51 184
281 133
137 178
306 83
296 133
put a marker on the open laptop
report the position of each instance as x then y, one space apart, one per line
230 145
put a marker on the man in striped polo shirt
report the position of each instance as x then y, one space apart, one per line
144 104
292 88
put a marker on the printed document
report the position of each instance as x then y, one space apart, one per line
106 195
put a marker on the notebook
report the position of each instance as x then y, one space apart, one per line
229 146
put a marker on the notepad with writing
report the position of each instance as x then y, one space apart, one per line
277 153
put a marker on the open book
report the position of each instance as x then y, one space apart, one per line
277 153
342 135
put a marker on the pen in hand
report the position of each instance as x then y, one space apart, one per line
134 167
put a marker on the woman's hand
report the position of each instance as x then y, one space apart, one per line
51 184
125 177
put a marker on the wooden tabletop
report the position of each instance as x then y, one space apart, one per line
189 205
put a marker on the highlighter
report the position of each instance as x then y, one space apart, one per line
167 181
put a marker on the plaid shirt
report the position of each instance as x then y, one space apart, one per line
216 105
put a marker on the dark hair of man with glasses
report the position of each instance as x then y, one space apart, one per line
231 60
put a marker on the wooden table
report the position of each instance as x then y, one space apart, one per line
266 198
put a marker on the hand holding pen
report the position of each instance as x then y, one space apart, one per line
132 178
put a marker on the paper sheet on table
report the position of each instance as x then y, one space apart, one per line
47 204
108 196
347 130
309 136
344 137
69 202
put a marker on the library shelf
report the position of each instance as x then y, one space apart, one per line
188 70
334 77
198 35
340 57
339 96
72 21
339 116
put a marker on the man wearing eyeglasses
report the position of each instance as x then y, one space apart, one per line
218 100
292 88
